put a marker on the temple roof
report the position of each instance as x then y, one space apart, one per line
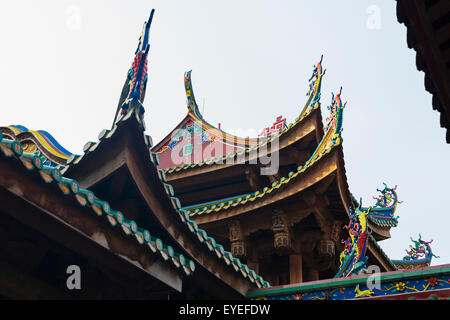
331 139
227 146
194 115
130 123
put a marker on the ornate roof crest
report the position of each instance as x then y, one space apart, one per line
137 74
353 258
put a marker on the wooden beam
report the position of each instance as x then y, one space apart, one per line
328 165
323 185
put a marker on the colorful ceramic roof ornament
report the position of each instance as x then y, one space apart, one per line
278 126
315 82
335 107
382 213
136 83
418 256
353 258
331 139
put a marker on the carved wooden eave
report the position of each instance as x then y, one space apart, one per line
308 128
41 205
126 148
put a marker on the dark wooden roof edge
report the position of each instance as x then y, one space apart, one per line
413 13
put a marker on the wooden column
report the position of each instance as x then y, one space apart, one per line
295 268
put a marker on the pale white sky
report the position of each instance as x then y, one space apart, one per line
63 64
